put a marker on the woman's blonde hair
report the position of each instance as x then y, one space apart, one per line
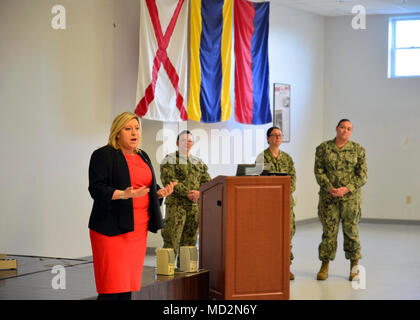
117 125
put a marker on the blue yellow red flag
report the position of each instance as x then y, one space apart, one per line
210 69
252 100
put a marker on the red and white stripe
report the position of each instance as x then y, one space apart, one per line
163 52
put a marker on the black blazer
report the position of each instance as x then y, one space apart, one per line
108 171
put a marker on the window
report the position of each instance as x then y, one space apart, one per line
404 47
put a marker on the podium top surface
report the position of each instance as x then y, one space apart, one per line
246 180
222 178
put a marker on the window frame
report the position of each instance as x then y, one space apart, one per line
391 45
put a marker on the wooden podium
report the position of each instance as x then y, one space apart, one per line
244 237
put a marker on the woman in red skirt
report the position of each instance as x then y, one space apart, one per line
126 206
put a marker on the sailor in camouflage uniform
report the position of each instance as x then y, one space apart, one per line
181 221
280 162
341 171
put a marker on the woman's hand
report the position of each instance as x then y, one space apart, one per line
167 190
193 195
130 192
339 192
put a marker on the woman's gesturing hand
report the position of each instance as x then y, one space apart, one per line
130 192
167 190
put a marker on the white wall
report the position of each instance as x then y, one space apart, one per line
385 114
297 57
60 90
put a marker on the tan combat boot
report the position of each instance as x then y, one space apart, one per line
323 272
353 272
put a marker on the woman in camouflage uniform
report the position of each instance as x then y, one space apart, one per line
341 171
181 221
280 162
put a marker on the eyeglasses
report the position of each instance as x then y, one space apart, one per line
276 135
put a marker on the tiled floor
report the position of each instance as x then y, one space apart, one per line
391 261
391 264
34 280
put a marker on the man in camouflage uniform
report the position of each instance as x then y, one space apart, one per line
181 221
341 171
280 162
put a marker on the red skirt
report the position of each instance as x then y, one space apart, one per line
118 260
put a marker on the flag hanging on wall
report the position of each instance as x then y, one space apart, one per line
252 101
210 70
163 52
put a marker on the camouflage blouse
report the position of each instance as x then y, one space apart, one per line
282 164
190 174
340 167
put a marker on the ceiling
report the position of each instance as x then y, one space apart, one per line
344 7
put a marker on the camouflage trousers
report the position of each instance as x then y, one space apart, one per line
181 225
292 232
331 211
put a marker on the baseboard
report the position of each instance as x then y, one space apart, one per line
82 259
365 220
306 221
390 221
151 251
